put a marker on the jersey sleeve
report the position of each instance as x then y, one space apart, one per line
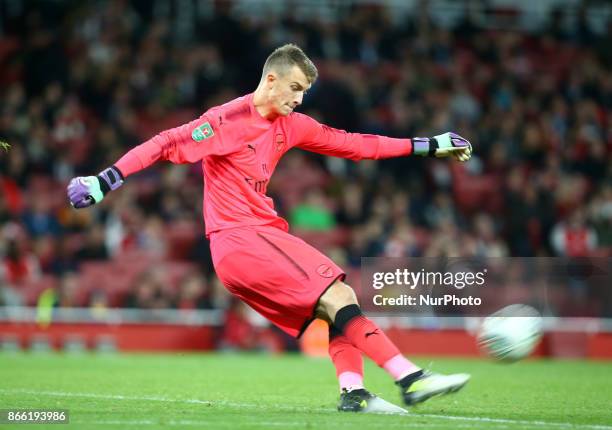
316 137
187 143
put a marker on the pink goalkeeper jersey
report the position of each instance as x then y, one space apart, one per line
239 150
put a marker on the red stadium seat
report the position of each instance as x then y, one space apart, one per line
181 238
177 270
32 290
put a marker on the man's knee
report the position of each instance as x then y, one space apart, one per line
335 298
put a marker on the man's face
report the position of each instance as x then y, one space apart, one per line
286 91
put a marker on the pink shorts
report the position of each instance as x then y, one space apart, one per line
277 274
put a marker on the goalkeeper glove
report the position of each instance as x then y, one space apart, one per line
443 145
85 191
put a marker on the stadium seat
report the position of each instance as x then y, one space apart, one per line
32 290
177 271
181 238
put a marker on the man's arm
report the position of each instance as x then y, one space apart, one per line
319 138
187 143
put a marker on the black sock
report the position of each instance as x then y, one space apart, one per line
407 380
334 332
346 314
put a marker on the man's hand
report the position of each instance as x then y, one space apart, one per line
85 191
443 145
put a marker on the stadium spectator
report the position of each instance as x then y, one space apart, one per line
238 333
68 291
151 291
312 213
19 266
573 237
92 246
194 293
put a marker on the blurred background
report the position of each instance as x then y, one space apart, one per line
529 83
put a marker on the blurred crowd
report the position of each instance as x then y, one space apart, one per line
81 83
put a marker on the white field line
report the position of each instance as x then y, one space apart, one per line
154 399
502 421
519 422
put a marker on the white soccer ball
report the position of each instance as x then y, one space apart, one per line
511 333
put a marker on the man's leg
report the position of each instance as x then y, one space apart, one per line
347 360
339 304
349 369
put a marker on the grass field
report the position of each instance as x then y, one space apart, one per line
216 391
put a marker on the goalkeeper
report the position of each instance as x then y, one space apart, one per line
279 275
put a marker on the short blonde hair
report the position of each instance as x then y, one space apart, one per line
285 57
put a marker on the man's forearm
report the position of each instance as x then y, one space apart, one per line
378 147
354 146
142 156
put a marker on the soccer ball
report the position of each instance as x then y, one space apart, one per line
511 333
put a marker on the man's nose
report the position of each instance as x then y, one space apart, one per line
299 98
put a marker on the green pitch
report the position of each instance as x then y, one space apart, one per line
292 392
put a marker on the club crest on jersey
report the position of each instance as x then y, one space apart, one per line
325 271
202 132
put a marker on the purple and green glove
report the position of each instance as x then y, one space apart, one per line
85 191
443 145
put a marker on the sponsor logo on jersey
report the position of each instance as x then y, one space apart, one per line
202 132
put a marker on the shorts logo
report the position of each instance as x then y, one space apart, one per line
325 271
280 141
202 132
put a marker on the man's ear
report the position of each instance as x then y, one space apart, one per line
271 78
